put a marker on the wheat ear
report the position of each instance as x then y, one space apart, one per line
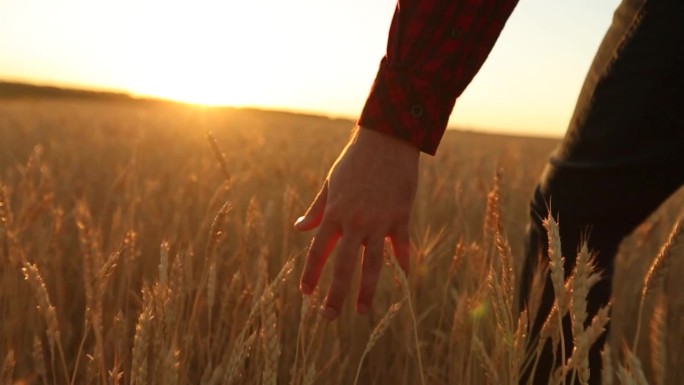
557 276
141 345
485 361
35 279
269 338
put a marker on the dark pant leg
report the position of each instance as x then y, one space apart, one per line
622 156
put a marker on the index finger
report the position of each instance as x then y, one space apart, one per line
321 246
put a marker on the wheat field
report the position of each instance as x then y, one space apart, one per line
135 249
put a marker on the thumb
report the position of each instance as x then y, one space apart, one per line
314 214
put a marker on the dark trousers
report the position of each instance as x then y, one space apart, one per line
622 156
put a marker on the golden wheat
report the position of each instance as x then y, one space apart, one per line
98 206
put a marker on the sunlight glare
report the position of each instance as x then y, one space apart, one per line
207 52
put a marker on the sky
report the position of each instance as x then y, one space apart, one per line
314 56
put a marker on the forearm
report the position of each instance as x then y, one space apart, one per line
434 50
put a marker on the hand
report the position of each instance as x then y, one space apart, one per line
366 197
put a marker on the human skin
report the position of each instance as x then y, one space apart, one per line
366 197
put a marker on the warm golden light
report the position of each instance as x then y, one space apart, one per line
305 55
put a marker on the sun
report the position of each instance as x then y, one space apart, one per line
210 53
210 88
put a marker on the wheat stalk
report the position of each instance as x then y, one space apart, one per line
556 262
164 264
141 346
7 369
303 311
310 374
607 372
583 279
270 339
403 282
579 361
658 342
35 280
657 272
625 376
377 332
242 345
6 223
485 361
635 368
220 157
518 351
212 376
38 356
211 292
557 277
168 375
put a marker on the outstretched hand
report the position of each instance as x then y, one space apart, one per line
366 197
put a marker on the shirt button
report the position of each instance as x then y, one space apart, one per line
417 111
455 33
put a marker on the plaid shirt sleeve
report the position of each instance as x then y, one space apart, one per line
434 50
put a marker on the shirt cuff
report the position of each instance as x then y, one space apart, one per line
408 106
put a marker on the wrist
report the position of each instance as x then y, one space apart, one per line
384 143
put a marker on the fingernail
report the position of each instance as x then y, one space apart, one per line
362 308
299 220
305 288
329 313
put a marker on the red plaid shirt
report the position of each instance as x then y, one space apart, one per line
434 50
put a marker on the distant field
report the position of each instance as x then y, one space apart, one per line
143 264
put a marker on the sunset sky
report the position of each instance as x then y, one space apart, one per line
305 55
